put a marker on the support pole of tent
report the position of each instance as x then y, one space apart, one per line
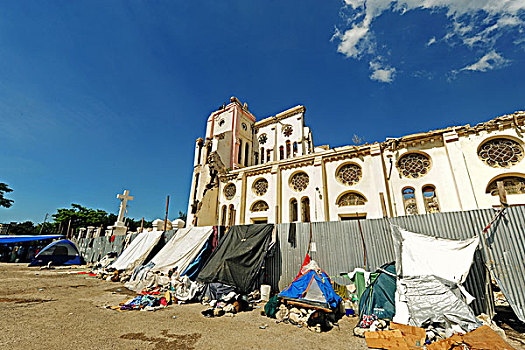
166 217
142 224
42 226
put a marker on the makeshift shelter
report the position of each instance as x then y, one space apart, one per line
63 252
137 251
312 287
378 299
239 256
185 252
6 239
431 271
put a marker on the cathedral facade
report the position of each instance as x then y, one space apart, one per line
248 171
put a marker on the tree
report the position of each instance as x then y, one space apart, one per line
23 228
5 202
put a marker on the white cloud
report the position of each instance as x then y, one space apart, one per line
431 41
491 60
475 23
382 73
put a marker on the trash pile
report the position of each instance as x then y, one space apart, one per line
146 302
222 300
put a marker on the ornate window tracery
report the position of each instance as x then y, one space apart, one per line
229 190
430 199
414 165
351 198
259 206
262 139
409 201
260 187
349 174
287 130
501 153
299 181
511 184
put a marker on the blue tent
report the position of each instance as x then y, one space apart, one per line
313 288
63 252
5 239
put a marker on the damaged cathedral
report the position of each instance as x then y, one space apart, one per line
269 171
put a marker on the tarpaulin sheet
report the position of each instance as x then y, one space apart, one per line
181 249
25 238
239 256
137 251
431 270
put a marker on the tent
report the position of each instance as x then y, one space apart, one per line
5 239
137 251
239 256
184 251
429 290
312 287
379 297
63 252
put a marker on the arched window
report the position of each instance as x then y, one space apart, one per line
259 206
281 152
293 210
246 154
288 149
409 201
223 215
269 155
231 215
239 154
305 209
430 199
256 158
295 150
351 198
514 184
262 155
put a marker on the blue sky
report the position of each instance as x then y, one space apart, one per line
98 96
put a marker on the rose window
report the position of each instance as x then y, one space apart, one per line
229 191
262 139
351 198
260 187
501 153
299 181
260 206
287 130
349 174
414 165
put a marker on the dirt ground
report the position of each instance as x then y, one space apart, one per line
55 309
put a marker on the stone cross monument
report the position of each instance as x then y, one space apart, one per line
119 228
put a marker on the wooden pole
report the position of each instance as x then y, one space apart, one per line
142 224
166 217
68 226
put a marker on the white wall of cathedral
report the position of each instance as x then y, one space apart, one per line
316 206
370 185
482 174
439 175
269 198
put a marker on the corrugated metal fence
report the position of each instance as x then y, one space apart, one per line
339 248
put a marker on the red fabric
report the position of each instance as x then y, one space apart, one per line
112 238
305 262
87 273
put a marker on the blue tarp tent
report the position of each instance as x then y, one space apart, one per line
5 239
63 252
313 287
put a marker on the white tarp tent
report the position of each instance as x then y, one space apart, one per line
138 250
441 266
179 252
181 249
